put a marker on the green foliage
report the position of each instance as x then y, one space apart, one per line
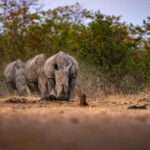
116 49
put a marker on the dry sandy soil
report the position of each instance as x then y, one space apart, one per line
106 124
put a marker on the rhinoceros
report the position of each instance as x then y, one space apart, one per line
61 71
36 79
15 78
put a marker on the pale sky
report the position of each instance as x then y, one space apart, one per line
132 11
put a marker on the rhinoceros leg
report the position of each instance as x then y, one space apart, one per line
33 87
42 85
11 88
72 84
48 91
28 91
51 86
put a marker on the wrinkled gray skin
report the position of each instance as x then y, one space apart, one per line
15 78
61 71
35 76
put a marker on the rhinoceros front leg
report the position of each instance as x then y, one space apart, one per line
28 91
51 88
11 88
72 85
47 90
42 85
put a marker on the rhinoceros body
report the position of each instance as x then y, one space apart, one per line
35 76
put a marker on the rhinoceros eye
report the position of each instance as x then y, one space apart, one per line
55 66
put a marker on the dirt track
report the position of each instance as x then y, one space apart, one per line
105 124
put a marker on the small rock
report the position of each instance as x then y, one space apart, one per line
143 106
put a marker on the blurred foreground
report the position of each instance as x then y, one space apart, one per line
105 124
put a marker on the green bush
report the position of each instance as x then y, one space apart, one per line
115 49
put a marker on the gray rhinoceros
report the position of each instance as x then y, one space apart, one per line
15 78
61 71
35 76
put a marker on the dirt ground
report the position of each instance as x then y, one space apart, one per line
106 124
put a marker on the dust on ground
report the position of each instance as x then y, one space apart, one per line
107 124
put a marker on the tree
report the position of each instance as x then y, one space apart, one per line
16 16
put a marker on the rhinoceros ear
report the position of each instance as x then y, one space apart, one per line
17 64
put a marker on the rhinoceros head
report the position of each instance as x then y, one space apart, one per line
62 81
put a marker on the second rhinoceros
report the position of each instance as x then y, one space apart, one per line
35 76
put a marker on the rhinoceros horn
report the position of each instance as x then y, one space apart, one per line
67 68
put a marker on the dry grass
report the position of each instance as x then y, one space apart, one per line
105 124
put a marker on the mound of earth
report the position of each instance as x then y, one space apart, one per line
19 100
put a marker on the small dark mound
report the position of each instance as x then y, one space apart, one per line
16 100
62 98
54 98
48 98
20 100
